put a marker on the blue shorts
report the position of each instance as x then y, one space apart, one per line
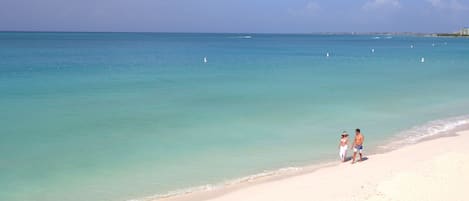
358 148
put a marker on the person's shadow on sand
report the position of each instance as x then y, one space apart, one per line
349 158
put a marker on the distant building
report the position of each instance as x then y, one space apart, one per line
464 31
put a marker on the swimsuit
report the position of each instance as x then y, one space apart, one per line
358 148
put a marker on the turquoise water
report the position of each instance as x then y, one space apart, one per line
116 116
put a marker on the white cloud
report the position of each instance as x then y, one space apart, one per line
310 8
375 4
453 5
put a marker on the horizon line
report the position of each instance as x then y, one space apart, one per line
176 32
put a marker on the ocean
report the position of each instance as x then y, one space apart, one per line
122 116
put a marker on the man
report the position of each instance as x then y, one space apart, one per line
357 145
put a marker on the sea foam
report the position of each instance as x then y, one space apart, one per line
429 130
226 184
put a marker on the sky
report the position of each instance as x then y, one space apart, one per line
235 16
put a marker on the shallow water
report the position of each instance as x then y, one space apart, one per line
115 116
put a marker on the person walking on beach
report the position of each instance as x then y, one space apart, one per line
343 146
358 145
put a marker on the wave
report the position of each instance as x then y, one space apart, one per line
243 180
243 37
432 129
429 130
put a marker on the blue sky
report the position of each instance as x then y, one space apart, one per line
263 16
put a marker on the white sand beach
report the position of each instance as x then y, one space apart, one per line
433 170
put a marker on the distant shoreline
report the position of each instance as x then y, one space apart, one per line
450 35
244 33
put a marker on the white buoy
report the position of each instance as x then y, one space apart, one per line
422 60
205 60
411 46
327 54
373 50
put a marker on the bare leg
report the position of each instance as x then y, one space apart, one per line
361 156
353 158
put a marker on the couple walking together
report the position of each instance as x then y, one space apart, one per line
357 145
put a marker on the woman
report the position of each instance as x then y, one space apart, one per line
343 145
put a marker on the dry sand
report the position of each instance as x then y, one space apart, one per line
435 170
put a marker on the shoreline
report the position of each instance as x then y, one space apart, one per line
432 170
208 192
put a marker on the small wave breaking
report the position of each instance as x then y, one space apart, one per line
243 37
223 185
432 129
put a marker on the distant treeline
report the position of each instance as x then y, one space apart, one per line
452 34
